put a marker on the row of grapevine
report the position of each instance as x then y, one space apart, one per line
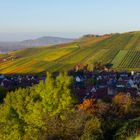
118 58
131 60
110 55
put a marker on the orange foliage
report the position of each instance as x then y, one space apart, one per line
124 104
89 105
121 99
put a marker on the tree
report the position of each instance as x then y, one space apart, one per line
124 103
130 130
57 95
24 111
88 105
92 130
98 66
12 115
3 93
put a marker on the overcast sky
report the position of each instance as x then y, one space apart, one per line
24 19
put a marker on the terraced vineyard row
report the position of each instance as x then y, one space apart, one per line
109 56
119 57
131 60
122 50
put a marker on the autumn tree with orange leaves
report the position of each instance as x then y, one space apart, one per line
124 103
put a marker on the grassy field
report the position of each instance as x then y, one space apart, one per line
122 50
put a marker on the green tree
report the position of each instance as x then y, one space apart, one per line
57 95
123 103
129 130
24 111
3 93
92 130
12 115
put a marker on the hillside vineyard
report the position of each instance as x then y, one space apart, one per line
121 50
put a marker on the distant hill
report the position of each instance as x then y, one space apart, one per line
42 41
121 50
